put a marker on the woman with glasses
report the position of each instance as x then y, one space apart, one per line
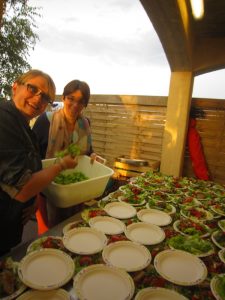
56 130
21 174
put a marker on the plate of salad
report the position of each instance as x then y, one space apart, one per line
188 227
133 200
161 205
217 285
75 224
10 284
192 244
219 209
195 213
218 238
54 242
89 213
221 255
221 224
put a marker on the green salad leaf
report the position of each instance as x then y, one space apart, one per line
72 149
193 244
70 178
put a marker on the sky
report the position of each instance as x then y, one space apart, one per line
110 44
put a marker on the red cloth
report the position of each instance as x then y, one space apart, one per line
41 215
196 152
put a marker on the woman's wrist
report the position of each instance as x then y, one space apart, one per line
61 163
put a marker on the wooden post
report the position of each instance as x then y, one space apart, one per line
178 108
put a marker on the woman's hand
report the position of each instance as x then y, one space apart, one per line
98 158
68 162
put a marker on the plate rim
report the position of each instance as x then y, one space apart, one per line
220 254
89 229
128 243
27 258
27 294
219 224
144 292
212 283
214 241
147 225
182 283
215 211
84 271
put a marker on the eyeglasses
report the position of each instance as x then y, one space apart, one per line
35 91
74 101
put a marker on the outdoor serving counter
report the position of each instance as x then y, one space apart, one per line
148 219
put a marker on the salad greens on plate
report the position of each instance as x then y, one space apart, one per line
10 284
192 244
217 285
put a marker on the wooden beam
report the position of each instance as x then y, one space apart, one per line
209 55
171 21
177 118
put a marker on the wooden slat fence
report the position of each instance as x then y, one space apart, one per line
211 129
127 126
133 127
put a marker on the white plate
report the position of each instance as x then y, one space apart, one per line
157 293
101 282
127 255
214 286
213 237
59 294
180 267
46 269
221 254
154 216
145 233
120 210
84 240
107 225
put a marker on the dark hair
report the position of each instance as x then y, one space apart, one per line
75 85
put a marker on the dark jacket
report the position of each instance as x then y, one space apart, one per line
19 158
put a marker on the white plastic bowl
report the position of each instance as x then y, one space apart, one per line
75 193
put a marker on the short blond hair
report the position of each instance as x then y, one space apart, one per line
35 73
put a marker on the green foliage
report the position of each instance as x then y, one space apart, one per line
17 38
